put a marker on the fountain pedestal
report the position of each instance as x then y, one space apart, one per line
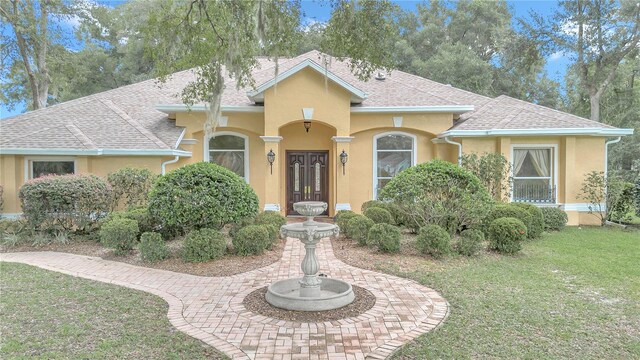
310 293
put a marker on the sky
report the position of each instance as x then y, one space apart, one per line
317 11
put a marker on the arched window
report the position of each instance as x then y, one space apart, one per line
230 150
392 153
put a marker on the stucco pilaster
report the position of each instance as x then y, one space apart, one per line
272 183
342 196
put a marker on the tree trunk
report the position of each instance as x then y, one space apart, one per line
594 100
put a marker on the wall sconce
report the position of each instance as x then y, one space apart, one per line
271 157
307 125
307 115
343 159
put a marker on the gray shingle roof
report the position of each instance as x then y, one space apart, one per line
126 118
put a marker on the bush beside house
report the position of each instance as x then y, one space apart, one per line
434 240
554 218
506 235
120 234
203 244
152 247
358 228
202 195
384 237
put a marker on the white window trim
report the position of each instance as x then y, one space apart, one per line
28 169
414 154
554 176
246 148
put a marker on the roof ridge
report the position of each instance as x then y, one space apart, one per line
82 137
148 134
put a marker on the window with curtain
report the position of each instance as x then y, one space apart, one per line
229 151
40 168
394 153
533 175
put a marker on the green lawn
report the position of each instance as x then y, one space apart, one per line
48 315
573 294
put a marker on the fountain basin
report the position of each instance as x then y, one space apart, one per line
285 294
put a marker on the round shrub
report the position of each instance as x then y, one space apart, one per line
536 226
202 195
508 210
274 232
130 186
506 235
119 234
470 242
236 226
251 240
434 240
371 204
152 247
141 215
64 202
342 218
385 237
554 218
358 228
438 192
379 215
271 217
204 244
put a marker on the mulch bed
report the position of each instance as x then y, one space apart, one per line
226 266
257 303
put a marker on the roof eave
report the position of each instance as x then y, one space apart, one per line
539 132
176 108
455 109
95 152
357 95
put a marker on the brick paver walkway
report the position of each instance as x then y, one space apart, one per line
210 308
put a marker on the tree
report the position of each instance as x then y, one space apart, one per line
28 48
472 45
222 38
599 35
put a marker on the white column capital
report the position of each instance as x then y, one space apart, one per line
342 139
275 139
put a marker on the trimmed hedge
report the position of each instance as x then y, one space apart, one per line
152 247
510 211
434 240
358 228
130 186
379 215
271 217
64 202
385 237
506 235
342 218
554 218
204 244
119 234
251 240
536 226
470 242
438 192
202 195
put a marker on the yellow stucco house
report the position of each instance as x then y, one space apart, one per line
306 118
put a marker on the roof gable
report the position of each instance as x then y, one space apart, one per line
357 95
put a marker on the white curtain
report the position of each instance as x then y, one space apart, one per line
540 159
518 160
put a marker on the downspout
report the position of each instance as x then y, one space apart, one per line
606 154
164 164
459 145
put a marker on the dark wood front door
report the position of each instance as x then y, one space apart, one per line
307 177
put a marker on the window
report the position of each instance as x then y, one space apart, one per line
392 153
533 175
230 151
38 168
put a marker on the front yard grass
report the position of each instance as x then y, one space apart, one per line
48 315
571 294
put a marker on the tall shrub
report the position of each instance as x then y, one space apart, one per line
603 193
493 170
64 202
441 193
130 186
202 195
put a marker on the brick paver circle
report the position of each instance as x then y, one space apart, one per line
211 309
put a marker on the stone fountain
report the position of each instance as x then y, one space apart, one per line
311 292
